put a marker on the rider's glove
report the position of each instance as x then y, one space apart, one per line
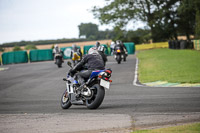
72 71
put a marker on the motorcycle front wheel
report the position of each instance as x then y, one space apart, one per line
65 102
97 98
59 63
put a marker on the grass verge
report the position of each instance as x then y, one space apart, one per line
151 46
175 66
189 128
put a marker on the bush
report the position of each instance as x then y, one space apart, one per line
17 48
30 47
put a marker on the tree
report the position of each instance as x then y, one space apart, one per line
88 29
186 18
17 48
1 49
160 16
139 36
197 19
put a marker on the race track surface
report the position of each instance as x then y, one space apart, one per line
36 88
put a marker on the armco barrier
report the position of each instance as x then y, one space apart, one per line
130 46
14 57
41 55
197 44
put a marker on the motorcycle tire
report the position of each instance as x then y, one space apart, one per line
124 58
65 102
118 59
59 63
97 98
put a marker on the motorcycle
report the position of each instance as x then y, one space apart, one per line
119 55
58 60
91 95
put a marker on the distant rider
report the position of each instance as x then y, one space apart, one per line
112 46
76 54
57 50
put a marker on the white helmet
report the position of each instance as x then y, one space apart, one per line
112 43
118 42
93 50
56 46
101 48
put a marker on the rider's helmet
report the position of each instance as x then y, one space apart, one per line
93 50
56 46
118 42
97 44
74 46
101 48
112 43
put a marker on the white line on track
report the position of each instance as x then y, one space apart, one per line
136 74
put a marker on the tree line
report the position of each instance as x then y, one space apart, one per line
166 19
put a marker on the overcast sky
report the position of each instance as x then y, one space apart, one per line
31 20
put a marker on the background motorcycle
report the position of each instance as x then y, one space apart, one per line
58 60
119 55
91 95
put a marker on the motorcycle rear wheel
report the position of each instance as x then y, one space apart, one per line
65 102
119 59
97 99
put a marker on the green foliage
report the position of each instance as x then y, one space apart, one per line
42 42
88 29
175 66
17 48
1 49
30 47
188 128
166 19
139 36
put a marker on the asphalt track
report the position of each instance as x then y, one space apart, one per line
30 100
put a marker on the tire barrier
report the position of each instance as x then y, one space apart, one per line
196 44
14 57
180 44
41 55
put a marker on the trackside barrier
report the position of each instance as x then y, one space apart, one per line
197 44
130 46
86 48
41 55
14 57
67 52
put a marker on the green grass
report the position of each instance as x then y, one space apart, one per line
175 66
189 128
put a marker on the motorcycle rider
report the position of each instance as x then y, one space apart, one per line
101 51
112 46
97 45
57 50
75 53
94 62
120 44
